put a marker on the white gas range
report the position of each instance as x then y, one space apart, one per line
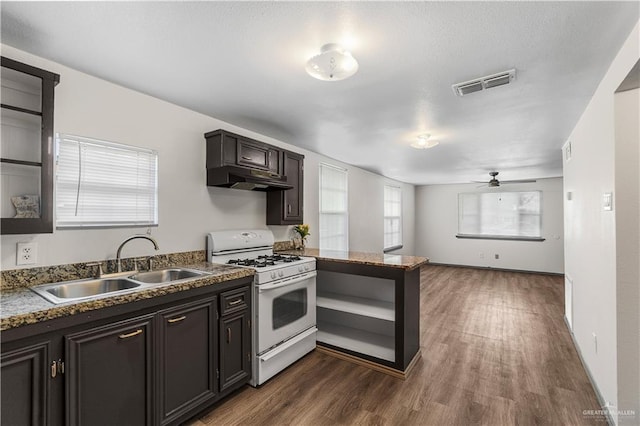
284 298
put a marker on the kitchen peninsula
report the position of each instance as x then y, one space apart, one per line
368 307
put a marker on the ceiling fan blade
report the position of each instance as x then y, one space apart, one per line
518 181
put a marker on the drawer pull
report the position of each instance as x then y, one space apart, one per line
247 158
235 302
133 333
173 320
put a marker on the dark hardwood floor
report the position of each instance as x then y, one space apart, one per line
495 351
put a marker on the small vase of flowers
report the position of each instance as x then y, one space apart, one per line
302 232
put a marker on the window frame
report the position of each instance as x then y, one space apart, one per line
345 234
145 170
400 243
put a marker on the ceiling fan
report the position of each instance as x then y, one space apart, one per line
494 182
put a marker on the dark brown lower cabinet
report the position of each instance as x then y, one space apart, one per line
25 385
188 360
235 349
159 361
109 374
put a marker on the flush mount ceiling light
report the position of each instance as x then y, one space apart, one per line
423 142
333 63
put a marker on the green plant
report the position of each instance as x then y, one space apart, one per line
302 230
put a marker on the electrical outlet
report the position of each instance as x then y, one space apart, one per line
481 255
27 254
497 256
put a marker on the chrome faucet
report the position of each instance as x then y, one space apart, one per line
133 237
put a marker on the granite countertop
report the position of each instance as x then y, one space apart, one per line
21 306
377 259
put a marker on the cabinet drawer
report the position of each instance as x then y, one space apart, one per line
234 300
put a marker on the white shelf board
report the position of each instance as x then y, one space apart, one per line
357 305
361 341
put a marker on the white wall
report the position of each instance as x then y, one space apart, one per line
590 231
188 209
437 226
627 211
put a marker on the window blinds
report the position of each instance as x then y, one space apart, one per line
506 214
105 184
334 215
392 217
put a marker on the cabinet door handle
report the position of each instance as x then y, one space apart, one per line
54 369
228 335
235 302
133 333
247 158
289 208
173 320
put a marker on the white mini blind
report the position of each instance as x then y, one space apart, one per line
500 214
334 214
105 184
392 217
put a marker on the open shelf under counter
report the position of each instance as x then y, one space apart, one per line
357 305
357 340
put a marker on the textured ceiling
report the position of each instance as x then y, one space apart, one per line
243 62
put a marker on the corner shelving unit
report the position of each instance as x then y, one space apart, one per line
369 314
26 158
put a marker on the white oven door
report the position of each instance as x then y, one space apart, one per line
284 309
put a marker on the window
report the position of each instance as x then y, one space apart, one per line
334 217
392 218
105 184
500 214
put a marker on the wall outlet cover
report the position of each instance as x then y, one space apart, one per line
27 254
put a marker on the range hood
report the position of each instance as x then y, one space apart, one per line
245 178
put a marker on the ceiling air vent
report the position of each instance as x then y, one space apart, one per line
487 82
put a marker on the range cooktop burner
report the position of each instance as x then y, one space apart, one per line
264 260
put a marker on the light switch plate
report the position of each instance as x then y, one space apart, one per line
567 151
607 201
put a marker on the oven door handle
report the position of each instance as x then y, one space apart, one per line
263 288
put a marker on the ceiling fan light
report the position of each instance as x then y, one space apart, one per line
423 142
333 63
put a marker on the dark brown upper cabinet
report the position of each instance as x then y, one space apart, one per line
286 207
26 159
229 149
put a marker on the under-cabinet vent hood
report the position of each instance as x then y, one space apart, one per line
245 178
486 82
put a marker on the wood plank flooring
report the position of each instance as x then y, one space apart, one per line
495 351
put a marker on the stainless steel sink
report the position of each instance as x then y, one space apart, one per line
166 275
84 289
123 282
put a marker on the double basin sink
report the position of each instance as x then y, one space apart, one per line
94 288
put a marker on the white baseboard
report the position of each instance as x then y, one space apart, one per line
599 396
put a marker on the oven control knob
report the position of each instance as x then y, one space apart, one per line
273 274
300 269
306 267
280 273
